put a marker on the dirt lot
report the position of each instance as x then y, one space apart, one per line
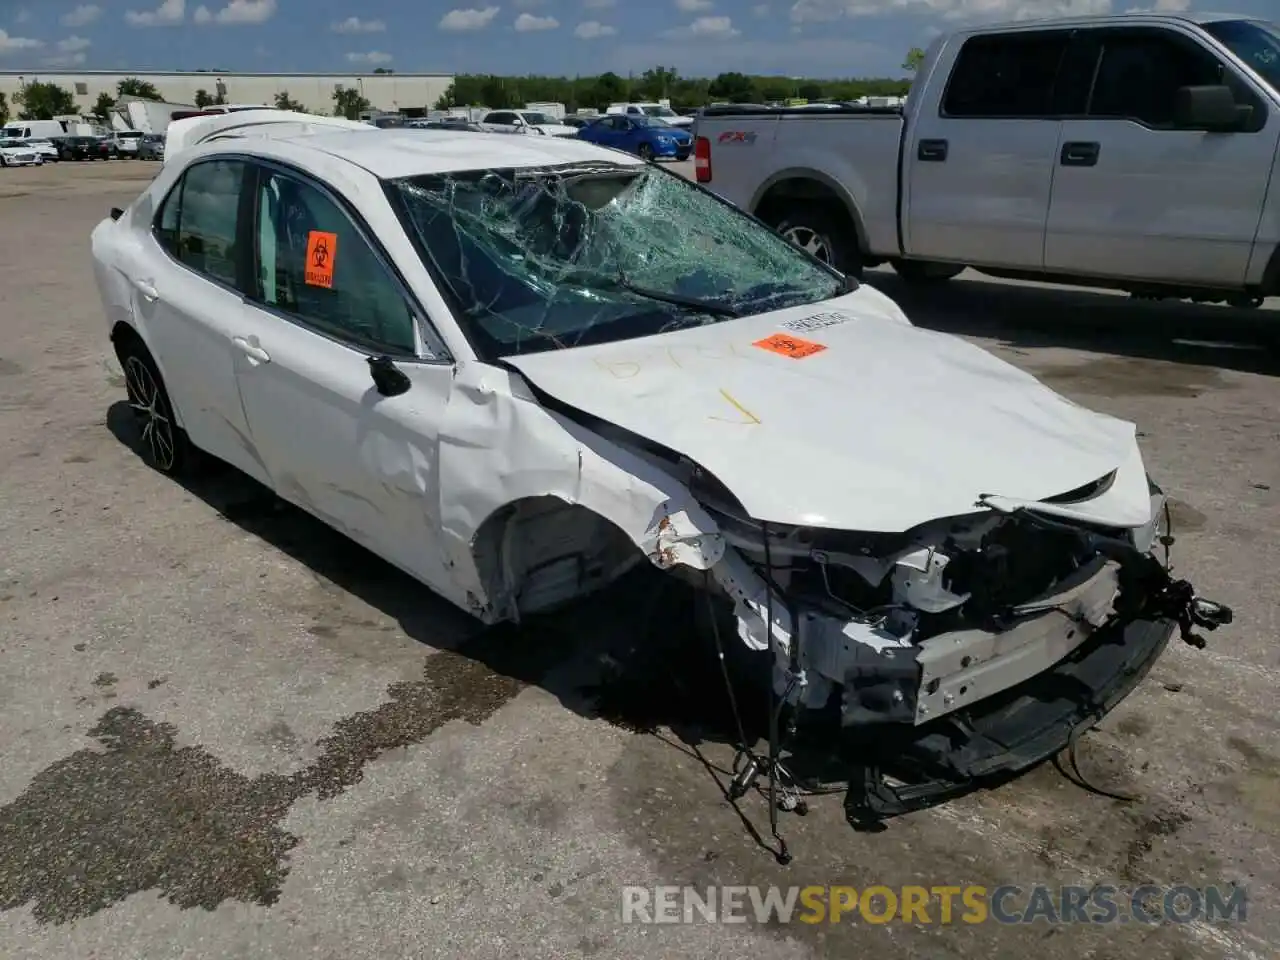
227 732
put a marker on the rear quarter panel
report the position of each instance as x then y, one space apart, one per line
857 156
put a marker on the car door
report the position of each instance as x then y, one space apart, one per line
1137 196
187 281
980 165
325 300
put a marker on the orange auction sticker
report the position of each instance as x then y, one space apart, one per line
793 347
322 252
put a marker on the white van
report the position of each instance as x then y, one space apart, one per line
33 129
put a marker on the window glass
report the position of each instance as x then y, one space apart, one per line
1006 75
166 228
209 215
539 260
1141 72
1256 42
313 263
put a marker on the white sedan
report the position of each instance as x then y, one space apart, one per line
19 153
47 150
518 367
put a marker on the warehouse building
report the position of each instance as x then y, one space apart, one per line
410 93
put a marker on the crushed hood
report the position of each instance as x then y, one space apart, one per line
879 426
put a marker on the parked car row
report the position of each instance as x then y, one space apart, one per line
30 151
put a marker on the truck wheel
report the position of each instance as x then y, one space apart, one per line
926 271
815 231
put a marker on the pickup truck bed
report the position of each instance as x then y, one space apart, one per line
1137 152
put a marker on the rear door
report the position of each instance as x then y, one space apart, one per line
326 299
188 279
1135 196
981 156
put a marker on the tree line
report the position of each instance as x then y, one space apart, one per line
43 101
657 83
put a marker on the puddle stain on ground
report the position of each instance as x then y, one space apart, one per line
145 814
1131 377
1184 518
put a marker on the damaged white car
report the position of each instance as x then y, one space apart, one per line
518 367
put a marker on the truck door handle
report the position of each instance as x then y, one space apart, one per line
1080 154
254 352
932 151
147 290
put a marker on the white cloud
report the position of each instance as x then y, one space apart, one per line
817 11
705 28
527 23
238 12
167 14
1163 6
461 21
356 25
71 53
693 6
593 30
374 58
22 16
82 15
760 9
10 44
599 4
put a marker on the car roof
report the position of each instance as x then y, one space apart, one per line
1108 19
396 152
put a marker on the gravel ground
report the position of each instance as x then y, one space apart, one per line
228 732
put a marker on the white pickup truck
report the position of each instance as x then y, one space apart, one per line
1136 152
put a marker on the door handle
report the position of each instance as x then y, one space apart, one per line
254 352
1080 154
147 290
932 151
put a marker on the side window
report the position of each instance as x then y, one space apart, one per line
208 215
313 263
507 118
1141 71
1005 75
166 224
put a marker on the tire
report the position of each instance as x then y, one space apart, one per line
826 237
162 444
926 271
644 151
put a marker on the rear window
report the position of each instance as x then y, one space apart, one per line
1005 75
130 135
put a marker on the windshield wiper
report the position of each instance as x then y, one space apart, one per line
619 281
713 307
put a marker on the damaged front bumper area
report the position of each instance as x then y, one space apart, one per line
969 647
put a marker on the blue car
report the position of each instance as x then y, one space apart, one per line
649 137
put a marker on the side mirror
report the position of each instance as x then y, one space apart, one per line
1207 108
388 379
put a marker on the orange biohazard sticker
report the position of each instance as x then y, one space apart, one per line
793 347
322 253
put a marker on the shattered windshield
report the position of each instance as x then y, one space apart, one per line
551 258
1256 42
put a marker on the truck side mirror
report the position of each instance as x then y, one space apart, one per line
1208 108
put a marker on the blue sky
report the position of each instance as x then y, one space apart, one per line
699 37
